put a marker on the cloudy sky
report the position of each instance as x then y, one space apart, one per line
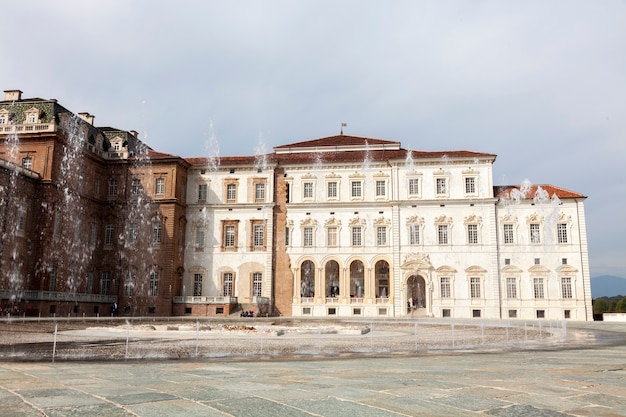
542 84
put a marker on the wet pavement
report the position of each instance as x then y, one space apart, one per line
586 376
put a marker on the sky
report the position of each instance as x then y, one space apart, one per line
542 84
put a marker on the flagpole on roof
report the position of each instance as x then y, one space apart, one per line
342 126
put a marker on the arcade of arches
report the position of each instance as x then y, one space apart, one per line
333 282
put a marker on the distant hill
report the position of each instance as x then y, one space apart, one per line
607 286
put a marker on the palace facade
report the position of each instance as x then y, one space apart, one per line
341 226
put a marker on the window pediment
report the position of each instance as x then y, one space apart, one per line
445 270
538 269
473 219
356 175
308 222
475 269
356 221
511 269
566 269
332 222
508 218
415 220
443 219
534 218
332 175
382 221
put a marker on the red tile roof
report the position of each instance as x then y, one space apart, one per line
504 191
339 140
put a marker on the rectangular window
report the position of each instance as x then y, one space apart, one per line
112 187
538 287
512 314
511 288
331 191
109 231
307 235
257 284
96 186
159 186
105 283
153 291
331 236
21 220
566 287
228 284
27 162
414 186
231 192
445 287
562 232
508 234
356 236
356 189
414 234
53 279
132 233
442 234
381 188
229 236
476 313
287 236
472 234
259 236
202 192
157 231
307 190
535 236
200 237
135 186
475 287
381 236
541 314
129 284
259 192
197 285
441 186
470 185
93 235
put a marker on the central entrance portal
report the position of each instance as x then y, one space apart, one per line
416 293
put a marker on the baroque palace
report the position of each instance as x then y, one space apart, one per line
341 226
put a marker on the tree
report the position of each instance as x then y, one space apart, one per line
600 306
620 307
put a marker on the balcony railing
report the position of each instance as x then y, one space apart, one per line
59 296
204 300
28 128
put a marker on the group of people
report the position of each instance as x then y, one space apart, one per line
249 313
11 309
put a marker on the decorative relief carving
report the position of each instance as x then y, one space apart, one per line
443 219
308 222
534 218
356 221
415 220
382 221
473 219
332 222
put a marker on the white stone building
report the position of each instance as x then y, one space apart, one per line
374 230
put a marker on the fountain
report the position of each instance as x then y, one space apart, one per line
212 150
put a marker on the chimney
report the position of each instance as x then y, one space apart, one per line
87 117
134 133
12 95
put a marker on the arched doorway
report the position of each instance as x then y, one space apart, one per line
416 293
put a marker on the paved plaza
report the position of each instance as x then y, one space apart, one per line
584 375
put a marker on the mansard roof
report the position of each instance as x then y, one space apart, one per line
504 191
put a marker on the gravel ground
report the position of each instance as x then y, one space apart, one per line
175 338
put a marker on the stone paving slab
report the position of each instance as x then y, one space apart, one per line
584 380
